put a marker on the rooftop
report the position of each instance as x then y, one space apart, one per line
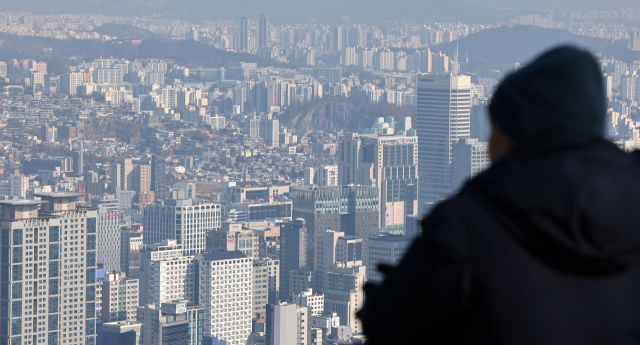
214 256
21 202
58 194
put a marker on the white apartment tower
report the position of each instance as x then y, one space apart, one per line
182 220
171 279
443 117
51 270
225 292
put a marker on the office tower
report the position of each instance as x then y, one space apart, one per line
178 322
189 189
182 220
281 326
387 249
388 162
443 117
119 298
344 295
352 209
266 284
309 176
141 178
308 298
232 237
293 252
326 248
270 131
327 175
303 279
470 157
78 159
116 176
225 293
125 249
158 176
122 333
108 222
167 249
243 35
47 307
480 126
263 31
17 186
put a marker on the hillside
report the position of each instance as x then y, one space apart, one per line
183 52
113 127
339 114
500 48
126 31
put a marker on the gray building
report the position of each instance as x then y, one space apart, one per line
109 234
293 252
281 324
175 323
122 333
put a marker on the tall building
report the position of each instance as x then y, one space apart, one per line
119 298
344 295
242 35
443 117
387 249
263 31
270 131
634 41
167 249
225 292
78 159
388 162
288 324
293 252
176 323
158 176
351 209
182 220
171 279
188 187
108 222
470 157
266 284
57 305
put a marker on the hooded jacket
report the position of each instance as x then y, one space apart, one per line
541 248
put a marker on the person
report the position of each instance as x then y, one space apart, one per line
542 247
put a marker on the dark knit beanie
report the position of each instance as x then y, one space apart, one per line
560 95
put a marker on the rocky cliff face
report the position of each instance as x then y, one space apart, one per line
334 115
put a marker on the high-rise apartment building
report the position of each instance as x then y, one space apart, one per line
171 279
182 220
263 31
119 298
56 305
242 35
352 209
167 249
108 222
225 292
293 252
78 159
389 162
443 117
270 131
470 157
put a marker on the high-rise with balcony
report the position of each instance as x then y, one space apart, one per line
48 279
443 118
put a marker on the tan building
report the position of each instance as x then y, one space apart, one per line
233 237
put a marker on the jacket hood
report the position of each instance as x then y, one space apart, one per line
575 206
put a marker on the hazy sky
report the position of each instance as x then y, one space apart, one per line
560 5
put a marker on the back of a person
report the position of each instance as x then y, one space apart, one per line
542 248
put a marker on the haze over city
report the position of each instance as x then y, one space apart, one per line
235 172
